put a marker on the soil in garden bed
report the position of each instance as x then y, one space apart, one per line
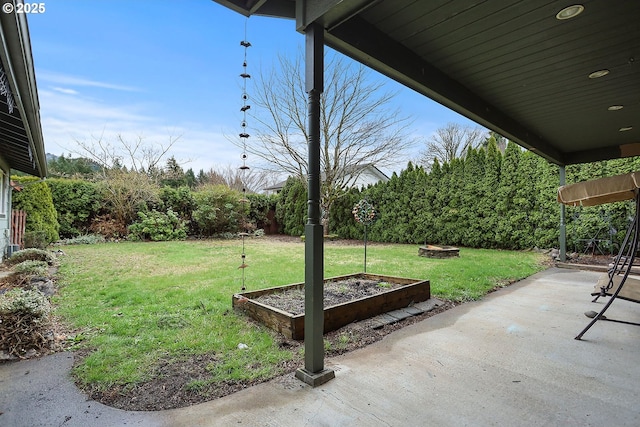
335 292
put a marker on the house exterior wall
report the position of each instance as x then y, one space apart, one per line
369 176
5 208
366 178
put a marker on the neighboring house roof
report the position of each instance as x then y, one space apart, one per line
21 141
360 170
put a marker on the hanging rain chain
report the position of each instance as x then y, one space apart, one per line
244 136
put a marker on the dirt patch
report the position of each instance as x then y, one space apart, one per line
173 384
591 259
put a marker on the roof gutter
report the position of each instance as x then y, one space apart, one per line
17 59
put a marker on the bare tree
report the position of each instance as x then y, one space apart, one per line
450 142
357 127
253 180
137 155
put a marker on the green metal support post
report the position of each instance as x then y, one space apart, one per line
563 227
314 372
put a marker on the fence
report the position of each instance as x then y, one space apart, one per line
18 223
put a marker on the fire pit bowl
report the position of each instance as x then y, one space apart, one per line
432 251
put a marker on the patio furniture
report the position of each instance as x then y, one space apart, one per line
619 282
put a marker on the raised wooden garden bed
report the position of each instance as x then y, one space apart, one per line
396 292
432 251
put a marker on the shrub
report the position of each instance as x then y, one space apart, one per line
24 317
76 202
86 239
110 228
36 239
31 254
259 207
125 193
179 200
27 301
35 199
158 226
218 210
31 267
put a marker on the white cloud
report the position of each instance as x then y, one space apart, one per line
65 90
68 118
69 80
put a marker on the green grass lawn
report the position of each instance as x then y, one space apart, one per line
134 304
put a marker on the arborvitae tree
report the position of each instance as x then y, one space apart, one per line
472 215
524 201
546 213
291 209
505 230
440 204
422 221
452 214
344 225
403 213
428 210
385 228
490 184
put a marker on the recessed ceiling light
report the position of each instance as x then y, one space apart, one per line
615 107
626 128
570 12
598 74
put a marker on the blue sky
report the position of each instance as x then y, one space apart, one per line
164 69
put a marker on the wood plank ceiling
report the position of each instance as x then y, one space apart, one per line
511 66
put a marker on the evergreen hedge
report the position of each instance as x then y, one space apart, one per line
76 202
492 200
35 199
488 199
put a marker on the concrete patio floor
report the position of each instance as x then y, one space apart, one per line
510 359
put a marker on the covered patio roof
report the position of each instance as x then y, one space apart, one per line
524 69
558 78
21 141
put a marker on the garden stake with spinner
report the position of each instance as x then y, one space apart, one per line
243 137
364 213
